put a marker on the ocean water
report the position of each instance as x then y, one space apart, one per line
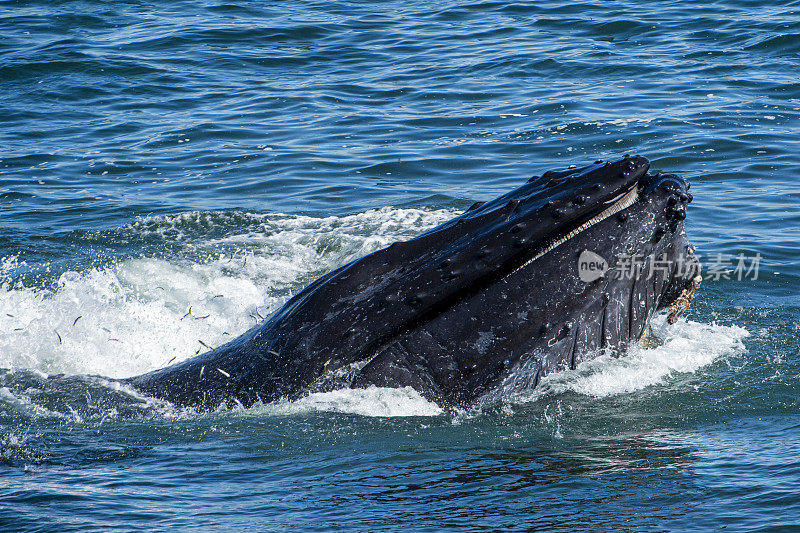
170 173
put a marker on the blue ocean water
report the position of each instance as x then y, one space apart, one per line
170 173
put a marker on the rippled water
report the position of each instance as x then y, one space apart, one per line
169 174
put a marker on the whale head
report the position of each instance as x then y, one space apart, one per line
569 265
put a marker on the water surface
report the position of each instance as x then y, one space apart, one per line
169 174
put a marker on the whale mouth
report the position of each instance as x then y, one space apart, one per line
622 201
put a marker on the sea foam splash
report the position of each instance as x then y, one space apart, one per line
372 401
139 314
687 346
134 315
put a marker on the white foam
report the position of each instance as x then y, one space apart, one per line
135 315
688 347
372 401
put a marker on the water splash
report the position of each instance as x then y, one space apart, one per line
134 315
372 401
687 347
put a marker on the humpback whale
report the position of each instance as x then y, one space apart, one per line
571 264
